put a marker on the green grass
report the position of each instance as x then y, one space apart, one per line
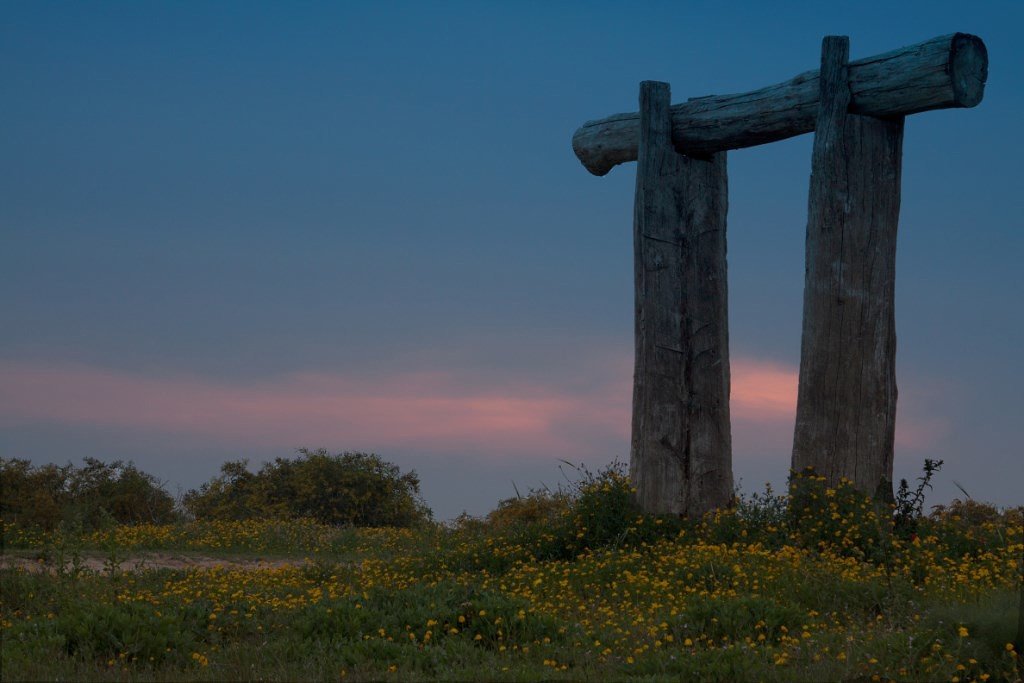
579 588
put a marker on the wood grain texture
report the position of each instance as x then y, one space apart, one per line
681 455
948 71
846 402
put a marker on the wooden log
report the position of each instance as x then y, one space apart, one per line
948 71
846 400
681 455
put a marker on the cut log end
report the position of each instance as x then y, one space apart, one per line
968 69
591 153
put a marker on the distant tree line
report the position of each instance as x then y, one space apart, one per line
356 489
91 495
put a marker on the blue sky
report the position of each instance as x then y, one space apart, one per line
235 229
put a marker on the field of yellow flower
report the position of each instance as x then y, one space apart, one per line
580 590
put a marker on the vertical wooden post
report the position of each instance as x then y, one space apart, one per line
846 404
681 455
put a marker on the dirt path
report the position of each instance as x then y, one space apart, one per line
154 560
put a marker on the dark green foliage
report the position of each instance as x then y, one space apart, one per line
229 496
763 516
910 506
595 511
88 496
357 489
769 589
966 525
604 509
720 617
537 507
840 519
138 631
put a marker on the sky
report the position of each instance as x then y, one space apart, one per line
235 229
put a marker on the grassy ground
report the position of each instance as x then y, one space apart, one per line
577 589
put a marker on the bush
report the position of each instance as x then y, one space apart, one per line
595 512
841 519
89 496
347 489
969 527
537 507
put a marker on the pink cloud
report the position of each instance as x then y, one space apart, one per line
763 391
426 409
920 433
764 409
432 411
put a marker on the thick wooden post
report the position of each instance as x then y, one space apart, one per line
681 456
846 404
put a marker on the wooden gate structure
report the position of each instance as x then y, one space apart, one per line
681 450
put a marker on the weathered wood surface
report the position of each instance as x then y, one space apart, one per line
948 71
681 455
846 401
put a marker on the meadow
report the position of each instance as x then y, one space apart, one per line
816 584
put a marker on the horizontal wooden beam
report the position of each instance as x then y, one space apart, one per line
948 71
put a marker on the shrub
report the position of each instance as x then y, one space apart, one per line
350 489
841 519
594 512
604 506
32 495
909 506
537 507
90 496
229 496
968 527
